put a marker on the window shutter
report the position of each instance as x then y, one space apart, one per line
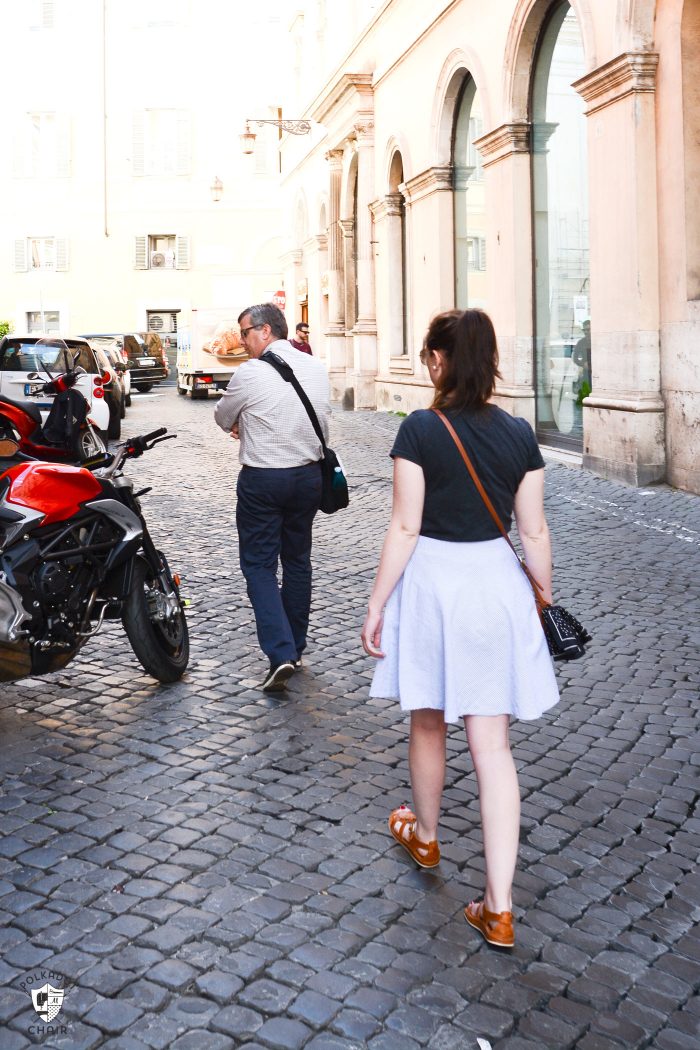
63 144
141 253
21 255
21 149
183 162
182 253
61 254
138 144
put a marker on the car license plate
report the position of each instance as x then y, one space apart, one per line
146 361
30 389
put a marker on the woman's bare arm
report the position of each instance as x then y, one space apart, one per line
399 542
533 531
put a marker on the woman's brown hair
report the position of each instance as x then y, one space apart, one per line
468 342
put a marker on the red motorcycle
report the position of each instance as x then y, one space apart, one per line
75 550
67 436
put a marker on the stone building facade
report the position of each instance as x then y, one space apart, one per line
537 158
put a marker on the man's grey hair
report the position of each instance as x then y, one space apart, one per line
267 313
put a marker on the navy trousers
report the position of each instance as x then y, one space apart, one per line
274 516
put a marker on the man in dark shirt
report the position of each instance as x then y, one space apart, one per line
302 338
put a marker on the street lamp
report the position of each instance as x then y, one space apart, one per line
216 189
292 127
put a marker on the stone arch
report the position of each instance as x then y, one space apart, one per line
396 144
521 45
348 188
634 25
459 64
323 216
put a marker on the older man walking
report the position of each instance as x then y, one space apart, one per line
279 485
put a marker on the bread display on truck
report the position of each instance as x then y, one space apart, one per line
208 352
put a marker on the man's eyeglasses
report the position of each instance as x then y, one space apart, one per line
244 331
304 331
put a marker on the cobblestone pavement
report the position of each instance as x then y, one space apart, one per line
209 867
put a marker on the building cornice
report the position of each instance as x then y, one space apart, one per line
631 73
386 206
504 141
348 87
432 180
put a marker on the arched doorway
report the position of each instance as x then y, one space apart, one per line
398 259
561 231
469 200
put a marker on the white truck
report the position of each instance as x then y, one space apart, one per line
208 352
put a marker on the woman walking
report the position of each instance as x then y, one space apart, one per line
452 618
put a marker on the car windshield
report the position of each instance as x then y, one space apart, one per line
35 356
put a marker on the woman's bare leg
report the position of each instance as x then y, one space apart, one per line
499 801
426 763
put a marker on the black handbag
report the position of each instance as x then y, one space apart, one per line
566 637
334 484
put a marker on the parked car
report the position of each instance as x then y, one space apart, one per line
144 354
114 392
24 366
110 345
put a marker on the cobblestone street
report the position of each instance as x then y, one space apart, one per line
209 867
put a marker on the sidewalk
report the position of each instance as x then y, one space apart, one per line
209 867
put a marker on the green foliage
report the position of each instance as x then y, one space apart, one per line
6 327
401 415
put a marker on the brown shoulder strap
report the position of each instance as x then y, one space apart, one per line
539 597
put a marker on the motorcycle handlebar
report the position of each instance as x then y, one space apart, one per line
136 446
155 434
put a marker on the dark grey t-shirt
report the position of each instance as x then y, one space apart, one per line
502 449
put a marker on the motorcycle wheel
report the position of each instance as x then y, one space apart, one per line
162 647
90 444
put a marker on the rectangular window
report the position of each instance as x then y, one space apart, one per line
43 146
162 142
40 14
476 253
42 253
39 321
162 251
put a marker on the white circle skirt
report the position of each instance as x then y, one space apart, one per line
461 634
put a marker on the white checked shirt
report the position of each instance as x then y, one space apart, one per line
275 430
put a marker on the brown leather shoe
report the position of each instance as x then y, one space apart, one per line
496 927
402 825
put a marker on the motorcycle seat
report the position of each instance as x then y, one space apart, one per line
32 410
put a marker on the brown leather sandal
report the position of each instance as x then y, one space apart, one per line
496 927
402 825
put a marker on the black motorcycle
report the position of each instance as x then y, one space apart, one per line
75 550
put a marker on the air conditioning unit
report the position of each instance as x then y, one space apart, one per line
157 260
159 323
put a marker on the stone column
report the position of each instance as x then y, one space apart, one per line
389 280
506 158
335 330
291 268
624 414
364 369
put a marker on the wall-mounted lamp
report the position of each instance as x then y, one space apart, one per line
216 189
292 127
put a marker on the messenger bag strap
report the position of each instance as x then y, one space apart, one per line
539 597
287 373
